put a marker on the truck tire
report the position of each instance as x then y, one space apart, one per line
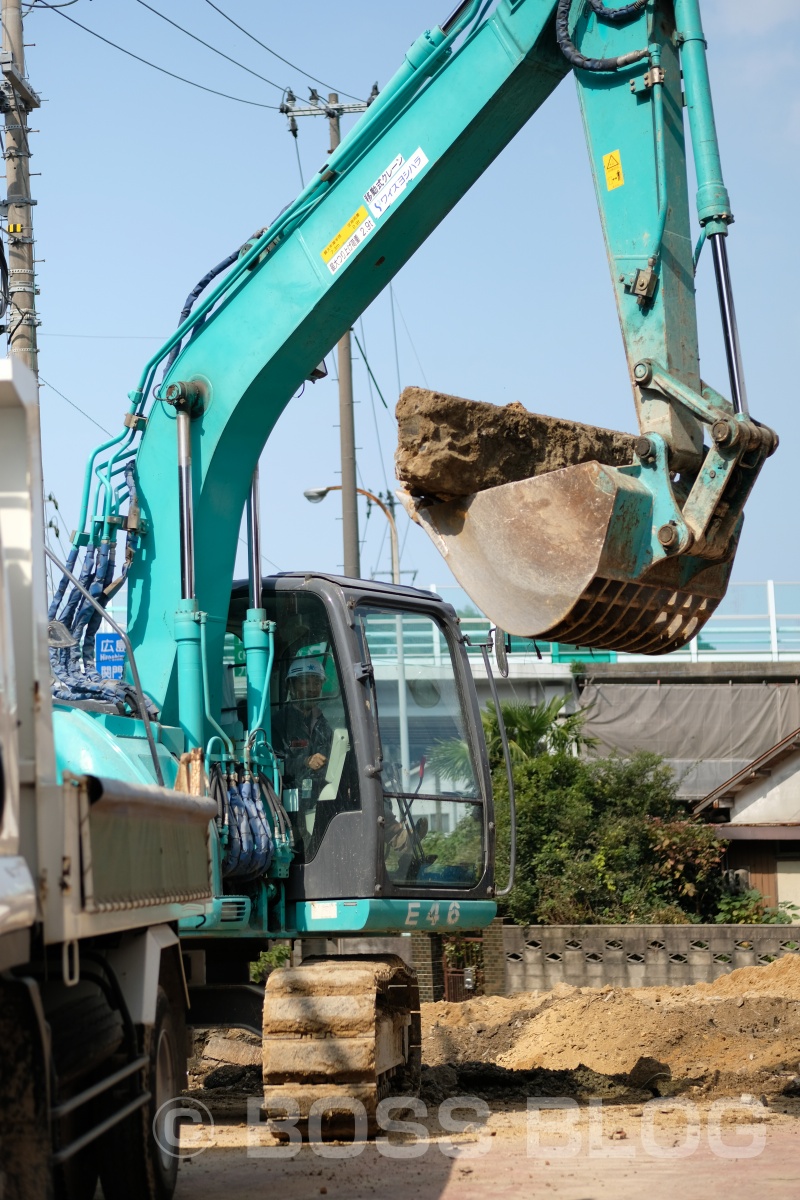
136 1159
24 1132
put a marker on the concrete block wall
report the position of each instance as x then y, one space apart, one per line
538 957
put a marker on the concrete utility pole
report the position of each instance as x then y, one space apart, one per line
18 98
347 424
347 433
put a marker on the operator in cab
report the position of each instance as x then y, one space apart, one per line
305 735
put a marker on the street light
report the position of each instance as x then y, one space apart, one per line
315 495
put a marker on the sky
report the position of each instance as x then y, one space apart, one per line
143 183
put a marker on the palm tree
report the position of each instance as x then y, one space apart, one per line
531 730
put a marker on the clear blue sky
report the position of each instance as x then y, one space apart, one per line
146 183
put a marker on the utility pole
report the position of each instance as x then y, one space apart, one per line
347 432
347 423
18 98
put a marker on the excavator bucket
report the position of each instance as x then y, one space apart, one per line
558 557
567 550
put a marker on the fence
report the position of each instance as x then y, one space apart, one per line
756 622
539 957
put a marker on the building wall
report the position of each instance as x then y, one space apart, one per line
788 879
761 860
773 798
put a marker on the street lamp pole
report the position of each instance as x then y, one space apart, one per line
314 495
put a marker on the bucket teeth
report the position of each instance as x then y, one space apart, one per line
339 1031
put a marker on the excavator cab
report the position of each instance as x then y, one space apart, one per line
374 725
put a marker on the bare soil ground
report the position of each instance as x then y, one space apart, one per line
583 1094
738 1034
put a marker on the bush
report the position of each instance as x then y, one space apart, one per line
267 961
604 842
750 908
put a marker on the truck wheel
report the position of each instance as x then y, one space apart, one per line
24 1134
137 1158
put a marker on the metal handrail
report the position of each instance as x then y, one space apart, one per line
137 683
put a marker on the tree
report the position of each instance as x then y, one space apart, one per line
531 730
606 841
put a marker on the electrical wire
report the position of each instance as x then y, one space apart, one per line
110 337
299 164
263 555
5 295
280 57
163 70
394 338
411 341
374 411
369 368
75 406
208 45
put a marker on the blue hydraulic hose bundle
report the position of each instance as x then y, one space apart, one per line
250 842
72 656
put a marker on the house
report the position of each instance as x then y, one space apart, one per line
758 809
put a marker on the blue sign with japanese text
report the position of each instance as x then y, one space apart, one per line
109 651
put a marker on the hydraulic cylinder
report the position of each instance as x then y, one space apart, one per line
190 673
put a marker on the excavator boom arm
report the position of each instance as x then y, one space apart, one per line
462 93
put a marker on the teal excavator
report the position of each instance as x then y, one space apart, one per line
351 782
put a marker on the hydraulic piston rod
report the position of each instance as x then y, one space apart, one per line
254 542
730 330
185 502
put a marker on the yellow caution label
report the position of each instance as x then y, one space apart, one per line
345 233
612 165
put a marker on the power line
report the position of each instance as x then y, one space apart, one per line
264 558
411 340
111 337
299 164
75 406
374 411
369 368
280 57
163 70
394 337
208 45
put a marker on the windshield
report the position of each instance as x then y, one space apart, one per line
433 811
310 726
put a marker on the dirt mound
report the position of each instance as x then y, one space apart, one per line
780 978
737 1033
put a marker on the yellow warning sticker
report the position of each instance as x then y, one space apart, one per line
612 164
346 233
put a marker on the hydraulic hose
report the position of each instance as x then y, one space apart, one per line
189 303
573 54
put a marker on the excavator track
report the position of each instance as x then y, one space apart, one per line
336 1031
